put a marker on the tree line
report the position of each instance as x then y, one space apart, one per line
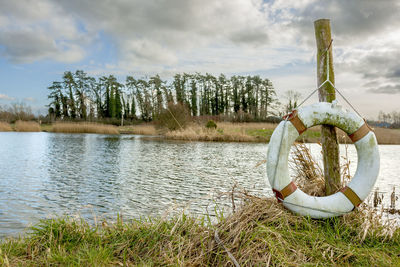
391 119
80 96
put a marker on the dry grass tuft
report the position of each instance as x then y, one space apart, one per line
263 231
73 127
27 126
5 127
309 175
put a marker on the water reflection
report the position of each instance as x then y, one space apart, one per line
45 174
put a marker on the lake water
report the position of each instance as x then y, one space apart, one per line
98 176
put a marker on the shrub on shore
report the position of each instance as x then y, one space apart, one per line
74 127
5 127
211 124
174 117
27 126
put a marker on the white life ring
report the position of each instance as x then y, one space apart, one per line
278 154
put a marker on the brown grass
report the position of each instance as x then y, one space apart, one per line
309 175
143 129
199 133
387 136
74 127
5 127
27 126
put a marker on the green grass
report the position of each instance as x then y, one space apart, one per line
261 232
265 134
262 133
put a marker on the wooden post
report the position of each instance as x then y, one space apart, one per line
326 93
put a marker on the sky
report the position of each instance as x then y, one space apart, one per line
40 39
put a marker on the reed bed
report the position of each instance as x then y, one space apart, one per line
387 136
261 132
142 129
200 133
5 127
74 127
27 126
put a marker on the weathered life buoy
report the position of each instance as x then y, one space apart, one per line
278 154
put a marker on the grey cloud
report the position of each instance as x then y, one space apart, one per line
174 25
167 27
380 70
37 30
395 72
352 21
26 46
386 89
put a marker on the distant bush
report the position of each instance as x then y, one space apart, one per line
273 119
211 124
15 112
174 117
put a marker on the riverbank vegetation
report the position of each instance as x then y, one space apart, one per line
27 126
83 127
260 232
5 127
246 132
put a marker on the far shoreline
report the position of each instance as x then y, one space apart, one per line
246 132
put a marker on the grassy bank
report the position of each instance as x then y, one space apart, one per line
261 232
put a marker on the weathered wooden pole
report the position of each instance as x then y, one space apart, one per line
326 93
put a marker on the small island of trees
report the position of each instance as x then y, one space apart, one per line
79 96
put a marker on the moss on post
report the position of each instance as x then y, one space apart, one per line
327 94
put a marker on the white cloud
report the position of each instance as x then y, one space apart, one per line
6 97
29 99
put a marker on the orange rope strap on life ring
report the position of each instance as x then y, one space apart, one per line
285 192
